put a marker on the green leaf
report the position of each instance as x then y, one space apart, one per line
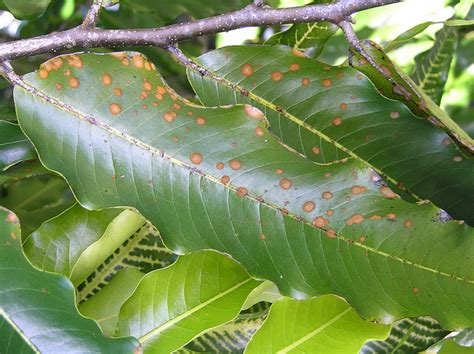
27 9
432 67
407 36
455 343
233 336
57 244
23 170
215 178
302 36
37 308
329 113
14 146
36 199
313 326
105 305
408 336
172 306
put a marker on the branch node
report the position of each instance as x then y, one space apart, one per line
92 16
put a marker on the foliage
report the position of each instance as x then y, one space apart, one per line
263 198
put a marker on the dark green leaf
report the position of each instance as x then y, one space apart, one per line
215 178
14 146
39 306
27 9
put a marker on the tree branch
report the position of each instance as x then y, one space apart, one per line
92 16
253 15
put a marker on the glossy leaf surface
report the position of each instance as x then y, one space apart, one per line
40 306
314 326
172 306
215 178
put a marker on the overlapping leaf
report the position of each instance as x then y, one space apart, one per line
14 146
37 310
330 113
215 178
314 326
172 306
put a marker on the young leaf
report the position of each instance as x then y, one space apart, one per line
313 326
408 336
330 113
172 306
14 146
432 67
37 308
215 178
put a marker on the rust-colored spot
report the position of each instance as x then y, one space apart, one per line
305 81
457 158
358 189
144 106
143 95
11 218
13 235
242 191
75 61
331 233
316 150
279 171
339 74
355 219
147 86
107 79
327 174
327 195
138 61
337 121
446 141
298 53
190 113
196 158
148 66
161 90
294 67
386 71
159 96
394 115
327 83
320 221
388 193
220 166
375 217
176 106
67 72
253 112
201 120
259 131
277 75
59 86
285 183
343 106
74 82
225 179
235 164
125 62
43 74
362 239
262 237
168 117
309 206
175 139
246 70
391 216
359 76
118 91
408 224
415 290
330 212
327 68
115 108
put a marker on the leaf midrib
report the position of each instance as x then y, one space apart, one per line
157 152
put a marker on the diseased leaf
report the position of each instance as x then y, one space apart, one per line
233 336
14 146
314 326
215 178
172 306
408 336
330 113
37 308
105 305
432 67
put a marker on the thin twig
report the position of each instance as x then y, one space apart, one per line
83 37
92 17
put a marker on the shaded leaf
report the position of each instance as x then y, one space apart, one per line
172 306
215 178
23 170
14 146
330 113
313 326
432 67
26 9
39 306
408 336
